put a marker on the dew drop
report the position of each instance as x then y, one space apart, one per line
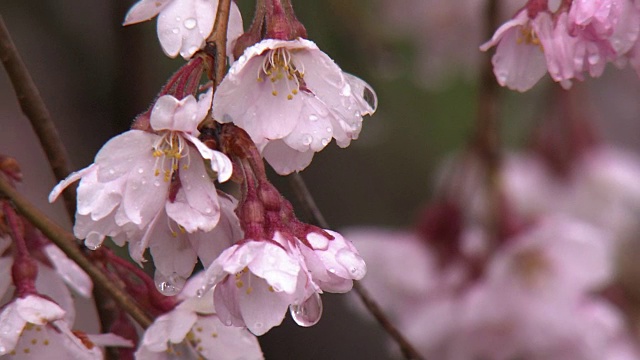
156 182
329 129
190 23
307 139
346 91
140 170
200 293
325 142
313 117
352 262
93 246
309 313
175 30
168 285
207 211
112 171
178 18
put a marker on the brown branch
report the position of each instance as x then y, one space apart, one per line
67 243
305 197
36 111
219 38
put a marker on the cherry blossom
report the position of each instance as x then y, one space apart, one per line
140 176
185 25
257 280
192 330
292 99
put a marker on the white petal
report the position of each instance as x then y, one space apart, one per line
172 326
144 10
229 342
184 25
220 163
74 176
172 254
263 309
70 272
49 284
121 154
37 310
144 194
284 159
11 325
170 113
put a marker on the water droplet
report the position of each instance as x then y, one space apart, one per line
309 313
140 170
346 91
168 285
325 142
200 293
190 23
93 246
313 117
112 171
258 325
594 59
193 50
227 322
207 211
329 129
175 30
332 270
307 139
178 18
370 97
156 183
352 262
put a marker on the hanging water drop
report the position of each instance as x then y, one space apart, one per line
307 139
168 285
93 246
190 23
309 313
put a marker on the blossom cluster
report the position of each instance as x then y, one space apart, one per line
154 186
573 39
544 283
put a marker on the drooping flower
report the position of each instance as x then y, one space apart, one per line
184 25
139 176
192 330
256 280
292 99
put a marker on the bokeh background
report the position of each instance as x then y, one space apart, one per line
421 57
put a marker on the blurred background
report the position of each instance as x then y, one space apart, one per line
421 57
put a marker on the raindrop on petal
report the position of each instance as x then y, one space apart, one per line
313 117
309 313
190 23
352 262
325 142
307 139
175 30
168 285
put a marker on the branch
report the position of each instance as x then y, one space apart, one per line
219 38
487 139
305 197
36 111
67 243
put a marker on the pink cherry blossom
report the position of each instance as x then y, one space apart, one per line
193 330
257 280
292 99
185 25
140 176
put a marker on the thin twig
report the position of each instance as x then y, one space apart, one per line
305 197
488 129
67 243
36 111
220 39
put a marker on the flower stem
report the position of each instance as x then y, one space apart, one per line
67 243
487 140
305 197
36 111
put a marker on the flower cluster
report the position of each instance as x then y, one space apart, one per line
154 186
577 38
